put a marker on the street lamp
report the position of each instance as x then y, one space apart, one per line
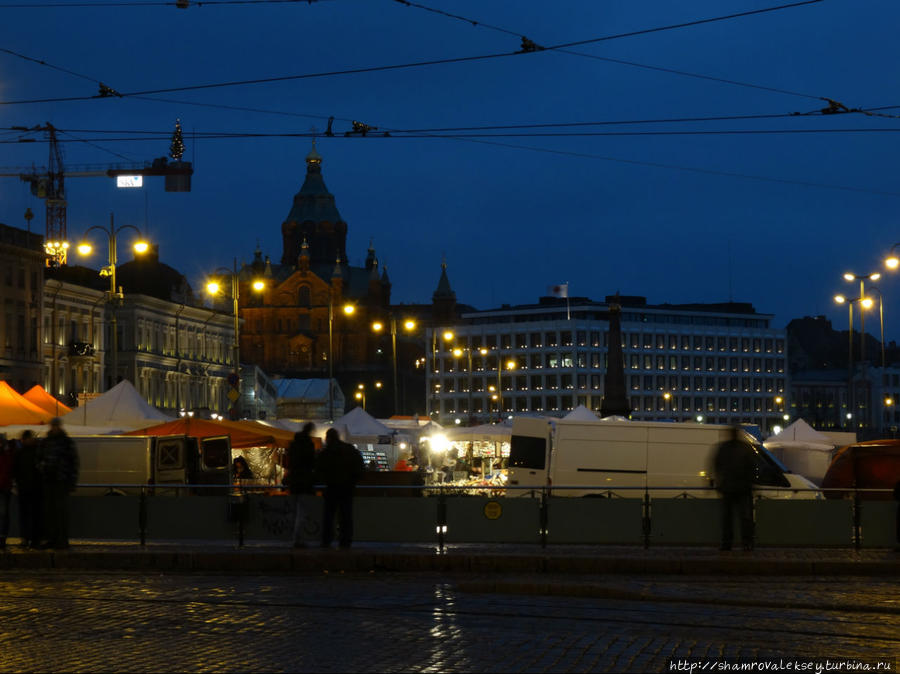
864 303
348 310
667 397
85 248
458 353
215 288
361 394
431 395
511 364
408 325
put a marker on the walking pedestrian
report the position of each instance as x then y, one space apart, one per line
734 470
6 482
58 465
28 484
340 466
301 456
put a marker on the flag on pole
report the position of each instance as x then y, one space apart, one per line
561 290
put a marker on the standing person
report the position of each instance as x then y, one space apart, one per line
58 465
301 456
340 466
734 470
28 483
6 481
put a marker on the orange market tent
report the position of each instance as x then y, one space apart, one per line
867 465
37 395
241 436
15 409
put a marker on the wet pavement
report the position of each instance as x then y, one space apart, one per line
57 620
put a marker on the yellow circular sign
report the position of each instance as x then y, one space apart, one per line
493 510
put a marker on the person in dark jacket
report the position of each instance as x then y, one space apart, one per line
301 456
340 466
6 482
58 465
734 471
28 484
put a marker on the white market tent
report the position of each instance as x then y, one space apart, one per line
485 433
802 449
581 413
358 424
121 407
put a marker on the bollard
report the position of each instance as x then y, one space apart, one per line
544 513
441 519
142 516
645 518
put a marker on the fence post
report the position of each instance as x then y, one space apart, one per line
645 518
544 514
142 516
857 524
441 518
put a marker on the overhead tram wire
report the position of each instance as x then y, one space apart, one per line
150 3
399 135
418 64
480 24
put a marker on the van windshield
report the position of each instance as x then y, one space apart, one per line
527 452
769 470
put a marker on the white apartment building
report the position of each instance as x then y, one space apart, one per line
721 362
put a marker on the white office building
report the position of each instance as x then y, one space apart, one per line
722 362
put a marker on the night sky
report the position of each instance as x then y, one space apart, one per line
606 213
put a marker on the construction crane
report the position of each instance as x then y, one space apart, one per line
49 184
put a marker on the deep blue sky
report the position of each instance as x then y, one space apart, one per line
510 221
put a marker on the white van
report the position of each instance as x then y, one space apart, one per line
622 458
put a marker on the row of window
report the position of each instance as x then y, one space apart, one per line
582 359
633 340
594 381
641 405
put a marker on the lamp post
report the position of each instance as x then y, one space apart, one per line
864 303
85 248
511 364
361 394
348 310
430 395
458 352
214 288
409 325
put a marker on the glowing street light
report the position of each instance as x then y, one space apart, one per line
408 325
85 248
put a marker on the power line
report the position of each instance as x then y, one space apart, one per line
500 29
395 135
48 65
150 3
419 64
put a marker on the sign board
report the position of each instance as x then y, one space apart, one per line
232 379
233 395
129 181
86 397
493 510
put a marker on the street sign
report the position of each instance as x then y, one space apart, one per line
233 395
233 379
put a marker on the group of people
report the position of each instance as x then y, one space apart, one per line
339 466
44 472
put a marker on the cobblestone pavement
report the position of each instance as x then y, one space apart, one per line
425 623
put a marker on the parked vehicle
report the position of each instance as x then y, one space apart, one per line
141 460
606 457
866 465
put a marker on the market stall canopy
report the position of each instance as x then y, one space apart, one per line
241 437
16 409
120 406
801 434
581 413
359 423
802 449
485 432
38 396
865 465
